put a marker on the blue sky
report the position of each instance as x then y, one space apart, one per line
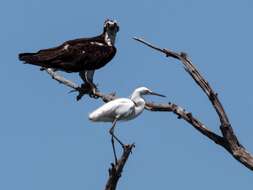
46 139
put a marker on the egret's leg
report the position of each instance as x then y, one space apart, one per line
114 151
112 133
112 140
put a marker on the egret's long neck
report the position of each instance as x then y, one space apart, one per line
110 38
138 101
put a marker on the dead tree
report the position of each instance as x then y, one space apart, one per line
227 140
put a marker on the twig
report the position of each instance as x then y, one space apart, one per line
229 140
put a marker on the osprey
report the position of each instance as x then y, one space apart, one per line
83 55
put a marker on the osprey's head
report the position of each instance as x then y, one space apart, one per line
111 26
110 30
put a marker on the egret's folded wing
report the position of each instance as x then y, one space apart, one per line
125 108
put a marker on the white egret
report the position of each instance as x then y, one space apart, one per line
121 109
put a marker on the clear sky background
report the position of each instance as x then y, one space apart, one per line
46 139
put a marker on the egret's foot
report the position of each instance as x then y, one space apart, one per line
127 146
124 146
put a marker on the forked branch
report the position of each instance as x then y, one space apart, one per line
116 170
228 140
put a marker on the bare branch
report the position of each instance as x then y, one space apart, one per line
188 117
61 80
230 141
180 112
84 89
116 170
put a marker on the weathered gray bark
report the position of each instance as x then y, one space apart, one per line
228 140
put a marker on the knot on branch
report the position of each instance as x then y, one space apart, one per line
213 96
183 55
189 115
178 110
230 137
225 127
112 170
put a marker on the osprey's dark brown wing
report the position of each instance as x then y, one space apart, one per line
72 56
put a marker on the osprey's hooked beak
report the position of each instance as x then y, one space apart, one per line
156 94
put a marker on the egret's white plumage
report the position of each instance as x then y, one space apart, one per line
121 109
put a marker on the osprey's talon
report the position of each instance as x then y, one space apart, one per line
92 90
93 93
83 89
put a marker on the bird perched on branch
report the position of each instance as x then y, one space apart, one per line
121 109
84 55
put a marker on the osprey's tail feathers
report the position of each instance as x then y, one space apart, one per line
42 58
27 57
